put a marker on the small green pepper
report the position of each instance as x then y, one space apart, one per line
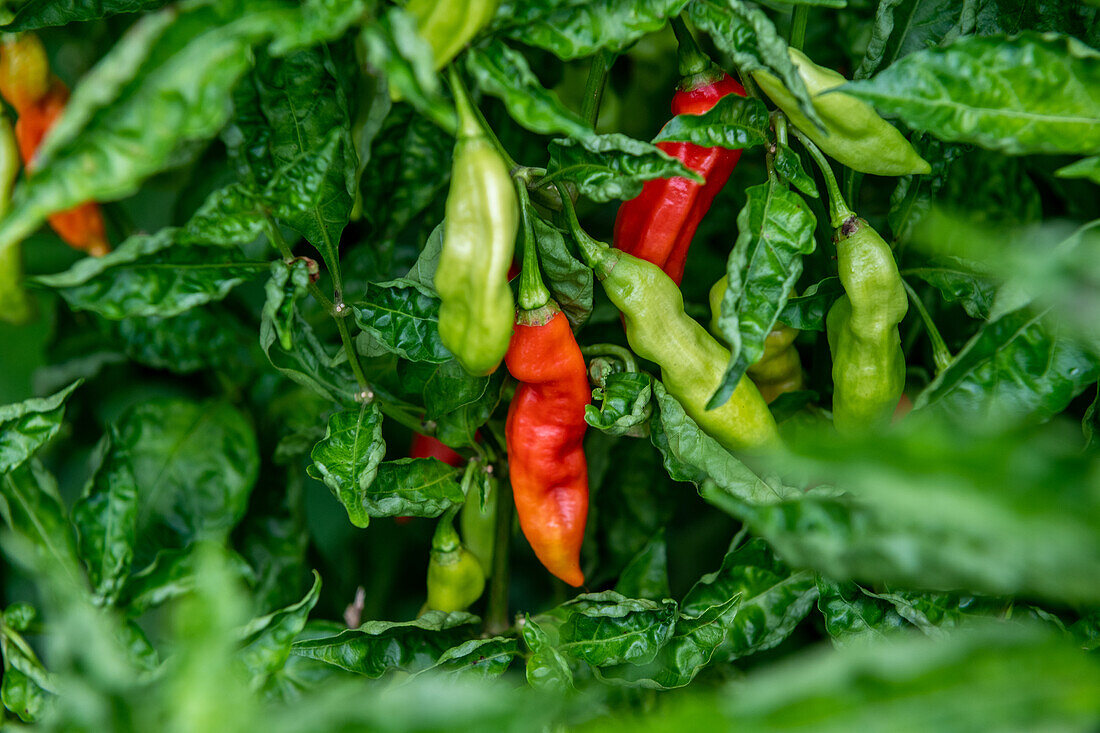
479 239
868 362
854 133
692 362
448 25
479 528
455 577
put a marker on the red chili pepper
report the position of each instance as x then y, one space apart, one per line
425 446
545 435
659 223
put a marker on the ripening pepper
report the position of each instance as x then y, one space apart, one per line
862 326
15 307
39 98
455 578
448 25
659 224
779 370
545 427
854 133
692 362
479 237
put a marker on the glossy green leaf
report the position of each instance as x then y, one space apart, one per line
775 230
504 73
571 29
646 575
1085 168
347 458
1012 369
624 404
807 312
904 26
152 275
457 402
377 647
734 122
605 629
32 509
174 573
749 37
393 46
958 282
27 426
45 13
613 166
631 505
853 616
167 85
402 317
200 338
1030 94
413 487
483 659
568 279
789 166
306 361
267 640
547 668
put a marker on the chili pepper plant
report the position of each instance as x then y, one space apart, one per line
542 365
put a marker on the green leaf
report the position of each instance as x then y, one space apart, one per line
27 426
306 360
624 404
851 615
32 509
393 46
605 629
413 487
504 73
457 402
547 668
201 338
807 312
570 29
1012 369
46 13
613 166
174 573
568 279
194 465
152 275
377 647
482 659
959 282
775 230
734 122
267 640
633 502
646 576
347 458
749 37
1030 94
402 317
692 455
904 26
163 88
789 166
1085 168
105 518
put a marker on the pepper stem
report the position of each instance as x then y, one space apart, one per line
594 86
532 291
838 209
690 58
468 124
630 364
798 26
446 538
594 252
941 355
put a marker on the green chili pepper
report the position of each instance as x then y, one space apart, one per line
692 362
15 307
455 577
479 526
448 25
868 362
479 238
854 133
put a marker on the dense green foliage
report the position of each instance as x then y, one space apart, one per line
204 437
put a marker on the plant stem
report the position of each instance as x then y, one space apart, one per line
469 112
349 348
623 354
941 355
838 210
798 26
593 88
496 617
689 57
532 291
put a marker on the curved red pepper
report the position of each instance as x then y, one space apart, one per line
659 223
545 436
425 446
